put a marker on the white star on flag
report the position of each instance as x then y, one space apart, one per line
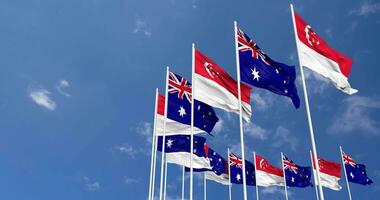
238 177
182 111
169 143
255 74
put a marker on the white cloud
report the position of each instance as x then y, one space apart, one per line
127 149
129 180
366 8
62 84
91 185
41 97
315 83
275 190
283 137
256 131
146 130
141 27
262 100
356 116
218 126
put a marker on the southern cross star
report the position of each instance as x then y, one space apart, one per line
255 74
182 111
169 143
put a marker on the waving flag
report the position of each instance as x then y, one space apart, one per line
258 70
236 165
318 56
356 173
268 175
295 175
329 174
179 110
219 167
173 127
177 149
217 88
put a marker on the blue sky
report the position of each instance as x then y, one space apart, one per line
77 88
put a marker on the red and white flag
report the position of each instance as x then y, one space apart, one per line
217 88
268 175
329 174
172 127
318 56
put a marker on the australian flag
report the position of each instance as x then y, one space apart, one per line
356 173
219 167
179 105
258 70
296 176
236 170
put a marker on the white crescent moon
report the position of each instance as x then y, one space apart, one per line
261 163
206 64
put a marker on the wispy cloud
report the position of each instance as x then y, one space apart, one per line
91 185
194 4
146 130
127 149
275 190
218 126
256 131
283 136
141 27
130 180
366 8
262 100
329 32
316 83
355 115
42 98
62 85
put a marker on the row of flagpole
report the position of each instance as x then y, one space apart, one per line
163 172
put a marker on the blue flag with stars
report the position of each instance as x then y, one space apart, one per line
177 150
356 173
179 105
295 175
219 167
257 69
236 170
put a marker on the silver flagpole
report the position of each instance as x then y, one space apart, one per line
229 175
163 135
166 175
314 177
345 173
315 155
204 186
257 187
283 171
192 121
183 182
152 159
240 114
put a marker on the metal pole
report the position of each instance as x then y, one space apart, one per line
257 187
154 149
166 175
314 177
192 121
183 182
229 175
283 171
163 135
204 186
240 114
315 155
345 173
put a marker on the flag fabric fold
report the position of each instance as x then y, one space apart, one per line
268 175
177 150
329 174
217 88
356 173
259 70
219 167
236 170
317 55
295 175
179 110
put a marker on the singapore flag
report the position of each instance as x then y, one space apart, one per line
317 55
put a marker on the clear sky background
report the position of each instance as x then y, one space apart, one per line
77 86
